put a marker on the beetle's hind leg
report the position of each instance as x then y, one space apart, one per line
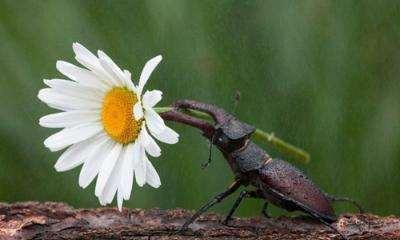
243 194
346 199
264 210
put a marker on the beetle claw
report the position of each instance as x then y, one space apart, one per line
226 221
205 165
264 210
266 215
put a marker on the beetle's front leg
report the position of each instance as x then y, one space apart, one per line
231 189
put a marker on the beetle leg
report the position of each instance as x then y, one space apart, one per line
329 226
264 210
231 189
305 208
205 164
346 199
243 194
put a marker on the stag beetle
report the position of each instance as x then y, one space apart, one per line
275 181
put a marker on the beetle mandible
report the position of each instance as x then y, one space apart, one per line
275 181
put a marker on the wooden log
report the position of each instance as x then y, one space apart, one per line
33 220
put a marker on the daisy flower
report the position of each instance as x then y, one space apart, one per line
108 125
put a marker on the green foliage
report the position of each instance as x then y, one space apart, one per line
323 75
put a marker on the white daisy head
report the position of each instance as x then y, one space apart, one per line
108 124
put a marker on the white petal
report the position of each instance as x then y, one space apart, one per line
76 154
167 136
144 137
148 142
140 168
69 119
128 81
111 77
112 69
58 107
74 89
80 75
53 98
71 158
151 98
111 186
152 148
138 110
69 70
154 121
94 161
85 57
147 70
119 200
136 154
89 60
109 191
126 181
102 202
107 167
69 136
152 177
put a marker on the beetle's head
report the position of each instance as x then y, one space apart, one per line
232 135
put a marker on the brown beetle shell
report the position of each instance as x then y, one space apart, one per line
291 182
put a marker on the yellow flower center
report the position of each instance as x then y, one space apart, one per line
117 115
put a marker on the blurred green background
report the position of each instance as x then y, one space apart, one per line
323 75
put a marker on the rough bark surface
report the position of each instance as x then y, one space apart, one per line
32 220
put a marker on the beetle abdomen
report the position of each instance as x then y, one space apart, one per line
291 182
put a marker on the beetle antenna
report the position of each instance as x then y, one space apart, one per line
236 101
205 164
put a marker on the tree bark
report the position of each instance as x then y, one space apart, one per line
33 220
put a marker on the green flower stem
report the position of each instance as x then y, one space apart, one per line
282 146
267 138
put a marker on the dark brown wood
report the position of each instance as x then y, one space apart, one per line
32 220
